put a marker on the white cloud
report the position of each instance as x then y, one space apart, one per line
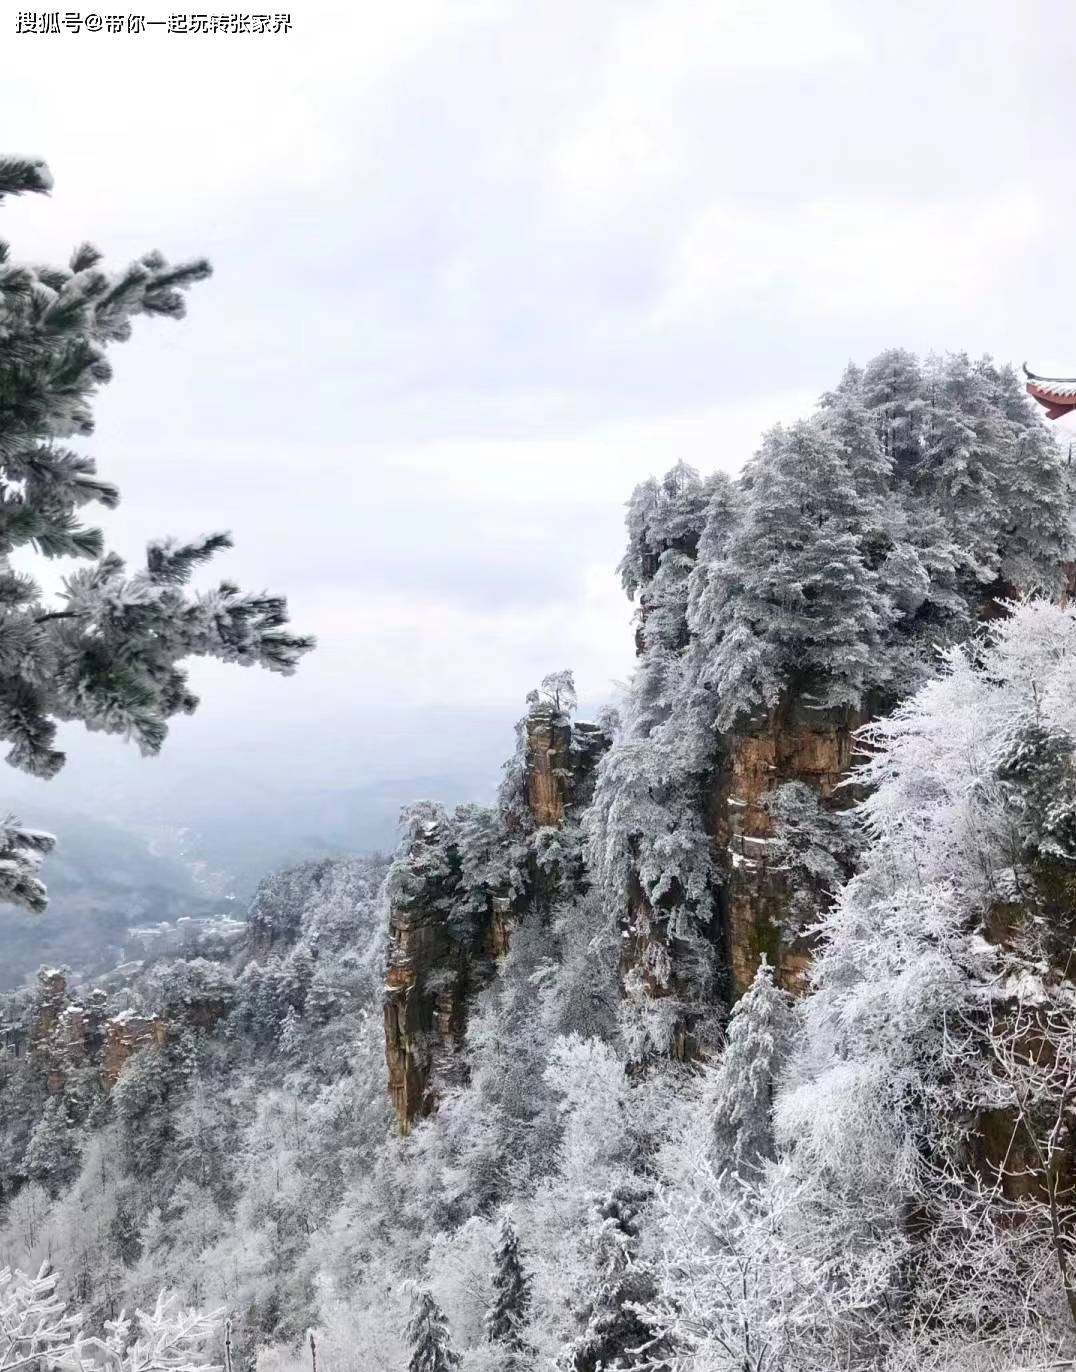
421 651
168 128
636 135
430 367
603 462
847 255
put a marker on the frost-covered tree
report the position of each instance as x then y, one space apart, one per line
992 474
290 1031
647 846
39 1328
51 1156
431 1349
509 1309
933 1060
814 845
615 1335
21 854
730 1295
662 515
107 653
800 601
757 1046
558 692
499 1126
650 853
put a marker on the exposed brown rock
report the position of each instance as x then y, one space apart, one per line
549 742
64 1036
753 900
424 1005
560 761
124 1036
433 969
811 746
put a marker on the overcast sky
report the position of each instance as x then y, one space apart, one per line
481 265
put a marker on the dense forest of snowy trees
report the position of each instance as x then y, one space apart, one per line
622 1164
818 1194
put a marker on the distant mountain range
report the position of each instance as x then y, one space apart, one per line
202 855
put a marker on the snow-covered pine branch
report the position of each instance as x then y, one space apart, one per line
108 651
36 1325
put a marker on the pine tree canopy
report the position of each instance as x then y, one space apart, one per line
108 652
509 1308
428 1334
759 1035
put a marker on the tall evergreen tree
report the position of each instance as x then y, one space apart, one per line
615 1332
743 1090
846 414
108 653
1035 491
507 1314
894 391
664 514
799 600
431 1350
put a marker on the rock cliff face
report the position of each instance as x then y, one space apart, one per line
448 930
763 903
63 1035
795 744
432 968
125 1034
442 949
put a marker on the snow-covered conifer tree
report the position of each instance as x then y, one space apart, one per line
661 515
894 391
52 1154
107 653
291 1031
615 1335
804 605
759 1035
507 1315
431 1350
647 845
21 854
814 845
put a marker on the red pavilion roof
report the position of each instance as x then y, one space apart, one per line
1056 394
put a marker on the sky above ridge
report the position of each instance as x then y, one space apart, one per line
481 266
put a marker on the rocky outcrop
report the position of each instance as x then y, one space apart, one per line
125 1035
426 980
560 757
796 743
65 1037
448 927
444 945
763 900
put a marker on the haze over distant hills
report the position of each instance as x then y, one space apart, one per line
192 831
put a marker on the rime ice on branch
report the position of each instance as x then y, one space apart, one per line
108 652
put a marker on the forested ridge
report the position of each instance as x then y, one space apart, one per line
738 1034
